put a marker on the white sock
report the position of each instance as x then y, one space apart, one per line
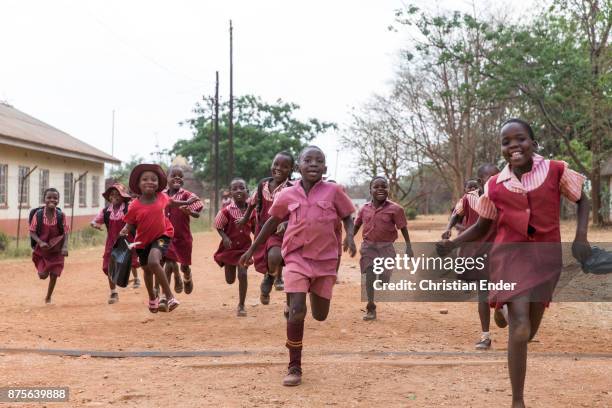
486 335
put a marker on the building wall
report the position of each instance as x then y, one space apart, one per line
57 166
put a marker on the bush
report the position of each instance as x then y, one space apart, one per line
4 241
411 213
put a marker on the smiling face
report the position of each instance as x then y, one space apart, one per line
148 182
312 164
51 199
114 197
517 146
238 190
379 190
175 179
281 169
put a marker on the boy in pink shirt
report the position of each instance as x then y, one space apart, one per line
310 247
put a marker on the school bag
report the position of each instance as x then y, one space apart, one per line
599 263
39 212
107 214
120 263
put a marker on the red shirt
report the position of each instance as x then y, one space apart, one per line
150 220
381 224
312 218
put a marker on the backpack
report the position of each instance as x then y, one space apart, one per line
39 213
107 213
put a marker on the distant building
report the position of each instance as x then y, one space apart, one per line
26 142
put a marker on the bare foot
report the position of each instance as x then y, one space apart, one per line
48 301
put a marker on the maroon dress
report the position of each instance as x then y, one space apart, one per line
113 229
241 240
527 247
260 257
181 245
49 261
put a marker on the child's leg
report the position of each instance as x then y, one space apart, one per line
275 260
154 264
135 272
371 277
242 285
536 313
230 274
520 328
148 278
168 269
319 306
484 311
187 278
111 284
295 334
178 282
52 280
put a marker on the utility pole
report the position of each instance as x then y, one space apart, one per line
211 158
230 162
216 142
72 199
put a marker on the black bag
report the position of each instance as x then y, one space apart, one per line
38 212
120 263
599 263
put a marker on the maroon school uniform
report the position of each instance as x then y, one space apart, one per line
115 225
182 243
526 212
260 257
380 227
239 234
49 261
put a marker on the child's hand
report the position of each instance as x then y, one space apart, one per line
282 227
241 221
446 234
96 226
227 243
124 231
444 247
43 245
409 251
245 259
185 210
349 246
192 200
64 251
581 249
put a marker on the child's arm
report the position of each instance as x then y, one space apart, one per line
177 203
474 233
581 249
227 242
42 244
454 220
247 215
349 241
65 244
407 239
268 229
128 229
187 211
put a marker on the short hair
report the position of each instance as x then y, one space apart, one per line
238 179
287 154
311 147
173 168
52 190
520 122
485 168
378 178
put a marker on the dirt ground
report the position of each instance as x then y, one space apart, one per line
412 356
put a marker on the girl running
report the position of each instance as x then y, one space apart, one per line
49 231
147 219
381 218
182 243
111 216
523 201
235 239
268 258
309 247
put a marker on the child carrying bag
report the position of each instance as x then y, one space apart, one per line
120 263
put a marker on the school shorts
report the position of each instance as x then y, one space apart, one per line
303 275
162 244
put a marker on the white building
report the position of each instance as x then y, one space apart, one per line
57 158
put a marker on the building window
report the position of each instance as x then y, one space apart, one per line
95 191
24 199
3 185
43 184
83 191
68 189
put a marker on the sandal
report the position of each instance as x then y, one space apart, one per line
172 304
114 298
241 311
178 283
163 305
188 284
483 344
154 305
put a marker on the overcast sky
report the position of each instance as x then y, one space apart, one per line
70 63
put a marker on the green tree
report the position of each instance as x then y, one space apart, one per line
260 131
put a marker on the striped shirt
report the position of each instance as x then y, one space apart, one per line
570 184
472 198
236 213
184 195
116 214
49 222
265 191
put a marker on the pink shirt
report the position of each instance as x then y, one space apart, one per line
312 218
570 184
49 222
472 199
235 211
381 224
116 214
